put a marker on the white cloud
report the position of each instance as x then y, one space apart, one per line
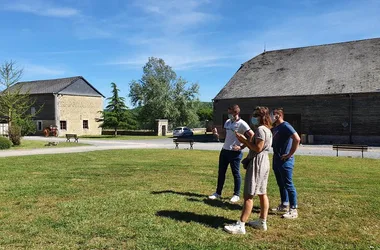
180 61
177 32
65 52
351 22
41 8
33 70
88 30
171 30
175 16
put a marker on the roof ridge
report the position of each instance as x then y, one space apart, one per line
322 45
55 79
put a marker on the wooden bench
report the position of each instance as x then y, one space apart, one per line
71 136
350 147
179 140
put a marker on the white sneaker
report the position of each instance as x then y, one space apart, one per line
280 209
235 198
292 214
214 196
236 228
259 224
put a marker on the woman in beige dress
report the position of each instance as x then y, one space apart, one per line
256 178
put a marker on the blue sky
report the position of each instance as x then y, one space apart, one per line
205 41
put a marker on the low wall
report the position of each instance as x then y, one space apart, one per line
336 139
129 132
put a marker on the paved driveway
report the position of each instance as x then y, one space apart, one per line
316 150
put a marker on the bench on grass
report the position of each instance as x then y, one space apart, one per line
350 147
71 136
179 140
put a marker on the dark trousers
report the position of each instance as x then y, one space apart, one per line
233 158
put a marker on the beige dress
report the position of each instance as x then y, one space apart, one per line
256 178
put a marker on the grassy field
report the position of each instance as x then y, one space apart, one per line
29 144
156 199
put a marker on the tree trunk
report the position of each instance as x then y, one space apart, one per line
115 134
9 122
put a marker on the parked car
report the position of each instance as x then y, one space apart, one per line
182 132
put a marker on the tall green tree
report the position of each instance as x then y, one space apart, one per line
15 102
116 114
205 113
162 95
185 103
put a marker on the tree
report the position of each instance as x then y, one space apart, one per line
160 94
15 102
205 113
185 103
116 115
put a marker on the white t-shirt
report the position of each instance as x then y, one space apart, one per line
240 126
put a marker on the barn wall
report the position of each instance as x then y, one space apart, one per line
325 117
46 101
75 109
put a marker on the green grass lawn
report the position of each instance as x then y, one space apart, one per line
156 199
29 144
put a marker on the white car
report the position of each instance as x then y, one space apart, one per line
182 132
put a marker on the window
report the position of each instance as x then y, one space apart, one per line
85 124
39 125
32 110
63 125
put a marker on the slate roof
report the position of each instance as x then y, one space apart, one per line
341 68
52 86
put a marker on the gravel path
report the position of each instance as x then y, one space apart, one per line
314 150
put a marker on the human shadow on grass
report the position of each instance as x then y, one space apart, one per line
222 204
214 203
179 193
228 205
207 220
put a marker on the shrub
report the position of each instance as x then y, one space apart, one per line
5 143
15 134
28 126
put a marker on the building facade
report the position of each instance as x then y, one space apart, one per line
71 104
330 92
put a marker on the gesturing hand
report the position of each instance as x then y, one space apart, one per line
240 137
285 157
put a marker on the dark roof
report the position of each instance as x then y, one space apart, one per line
4 119
52 86
341 68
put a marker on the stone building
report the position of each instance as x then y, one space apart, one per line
72 104
331 92
3 126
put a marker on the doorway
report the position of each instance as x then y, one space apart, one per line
163 130
295 121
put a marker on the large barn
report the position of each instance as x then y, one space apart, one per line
330 92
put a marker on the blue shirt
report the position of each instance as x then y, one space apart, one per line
282 141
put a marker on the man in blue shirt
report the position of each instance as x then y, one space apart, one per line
285 144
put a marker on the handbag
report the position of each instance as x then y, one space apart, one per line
245 162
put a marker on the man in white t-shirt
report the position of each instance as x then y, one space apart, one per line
231 152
